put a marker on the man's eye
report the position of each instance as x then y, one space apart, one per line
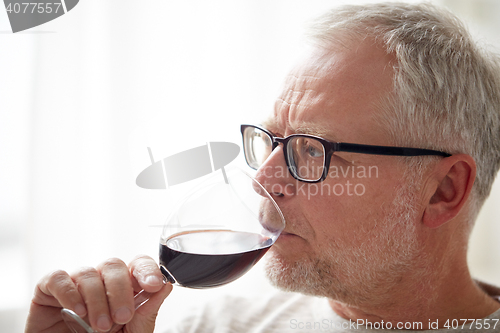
313 151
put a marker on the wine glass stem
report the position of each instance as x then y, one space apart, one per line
139 299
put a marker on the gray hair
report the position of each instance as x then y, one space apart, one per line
446 88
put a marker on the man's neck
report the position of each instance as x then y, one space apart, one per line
449 294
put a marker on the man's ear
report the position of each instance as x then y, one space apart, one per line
449 187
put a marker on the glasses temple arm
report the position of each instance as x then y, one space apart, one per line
385 150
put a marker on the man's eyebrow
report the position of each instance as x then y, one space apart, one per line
314 130
268 123
321 131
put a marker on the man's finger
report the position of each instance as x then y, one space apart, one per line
92 289
58 290
116 277
147 273
43 318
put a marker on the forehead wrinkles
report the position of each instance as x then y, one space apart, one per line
299 94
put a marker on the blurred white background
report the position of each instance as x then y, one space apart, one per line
84 95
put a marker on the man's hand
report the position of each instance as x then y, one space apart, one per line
104 294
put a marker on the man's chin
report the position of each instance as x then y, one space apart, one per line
293 275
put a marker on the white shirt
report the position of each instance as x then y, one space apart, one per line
291 312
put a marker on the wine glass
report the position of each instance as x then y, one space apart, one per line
214 236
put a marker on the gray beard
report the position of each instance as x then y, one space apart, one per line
356 275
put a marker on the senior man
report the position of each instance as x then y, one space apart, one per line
401 90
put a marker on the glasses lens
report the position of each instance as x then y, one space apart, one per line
306 157
257 145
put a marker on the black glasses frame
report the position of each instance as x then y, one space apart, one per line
330 147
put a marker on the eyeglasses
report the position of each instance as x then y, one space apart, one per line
307 156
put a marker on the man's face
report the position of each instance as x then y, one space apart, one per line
353 234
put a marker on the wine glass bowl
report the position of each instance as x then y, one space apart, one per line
217 233
220 231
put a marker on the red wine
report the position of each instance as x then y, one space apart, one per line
210 258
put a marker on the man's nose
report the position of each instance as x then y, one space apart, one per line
274 175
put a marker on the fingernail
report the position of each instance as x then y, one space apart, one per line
153 280
104 323
123 315
80 309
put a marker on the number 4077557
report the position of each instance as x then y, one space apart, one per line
479 324
34 7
